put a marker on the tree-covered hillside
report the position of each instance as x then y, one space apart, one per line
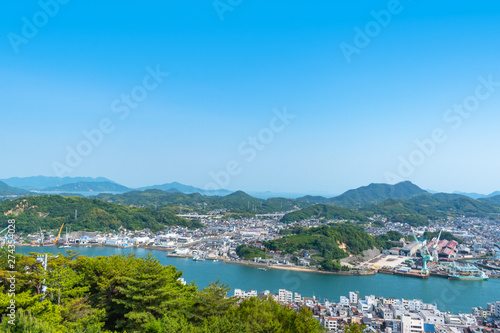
9 190
324 212
330 242
49 212
88 187
237 202
376 193
129 294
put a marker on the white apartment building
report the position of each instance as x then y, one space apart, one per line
242 294
330 323
353 297
344 301
412 323
285 296
432 317
415 305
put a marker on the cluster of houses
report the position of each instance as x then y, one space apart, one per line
388 315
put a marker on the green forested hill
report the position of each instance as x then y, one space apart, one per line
49 212
89 187
9 190
457 204
237 202
403 211
324 212
369 195
376 193
418 210
332 242
495 200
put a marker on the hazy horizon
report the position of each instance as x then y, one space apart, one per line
282 97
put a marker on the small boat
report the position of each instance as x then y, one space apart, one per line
468 277
216 260
263 268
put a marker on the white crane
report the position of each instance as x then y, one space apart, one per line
435 255
424 252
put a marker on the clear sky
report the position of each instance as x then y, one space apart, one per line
355 83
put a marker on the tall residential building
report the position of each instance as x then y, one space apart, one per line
412 323
353 297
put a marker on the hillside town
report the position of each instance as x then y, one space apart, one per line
220 238
388 315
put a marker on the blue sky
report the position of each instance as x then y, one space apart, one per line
353 120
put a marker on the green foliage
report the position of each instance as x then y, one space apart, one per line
49 212
386 240
327 241
376 193
118 293
354 328
266 315
250 252
26 322
444 235
403 211
8 190
417 211
211 302
324 212
237 202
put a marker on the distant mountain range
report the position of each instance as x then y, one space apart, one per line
46 184
237 202
369 195
405 201
402 202
41 182
478 195
6 190
88 187
50 211
171 187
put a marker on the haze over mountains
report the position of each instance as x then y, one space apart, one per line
97 185
402 202
6 190
359 197
41 182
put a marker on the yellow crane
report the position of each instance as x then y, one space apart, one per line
59 234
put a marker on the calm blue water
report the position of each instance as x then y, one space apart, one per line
450 295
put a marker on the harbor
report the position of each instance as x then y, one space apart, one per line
452 295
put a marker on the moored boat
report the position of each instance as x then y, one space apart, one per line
469 277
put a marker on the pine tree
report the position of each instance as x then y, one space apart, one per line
150 292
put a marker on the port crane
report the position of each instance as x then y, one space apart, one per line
59 234
425 253
434 250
